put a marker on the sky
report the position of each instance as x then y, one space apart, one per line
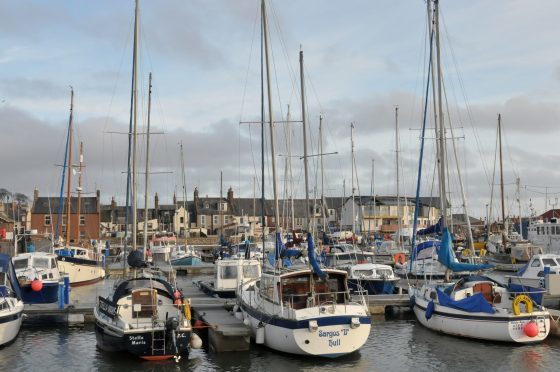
362 58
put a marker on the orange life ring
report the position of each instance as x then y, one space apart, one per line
399 257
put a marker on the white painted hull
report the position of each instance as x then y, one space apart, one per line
81 274
10 322
326 341
483 326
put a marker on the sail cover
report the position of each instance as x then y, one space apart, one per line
447 258
434 229
474 304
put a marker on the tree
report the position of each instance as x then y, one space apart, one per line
5 195
21 198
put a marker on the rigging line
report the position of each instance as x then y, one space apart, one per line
508 147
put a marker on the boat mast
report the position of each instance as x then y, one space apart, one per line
353 202
147 175
271 119
185 204
135 130
373 195
69 167
303 122
80 189
322 175
441 144
518 182
263 217
502 183
397 146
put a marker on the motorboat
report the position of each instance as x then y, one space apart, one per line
11 303
229 276
38 277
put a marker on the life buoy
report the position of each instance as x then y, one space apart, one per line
518 300
399 258
187 309
482 252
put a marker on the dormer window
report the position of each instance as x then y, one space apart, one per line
206 205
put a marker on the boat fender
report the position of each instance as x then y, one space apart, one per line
187 309
196 341
531 329
522 299
430 310
399 258
467 253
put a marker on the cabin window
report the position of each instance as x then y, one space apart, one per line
557 230
267 287
251 271
229 272
20 264
294 291
549 262
47 220
41 262
536 263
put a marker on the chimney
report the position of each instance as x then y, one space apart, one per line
156 202
35 194
195 194
113 203
230 196
98 195
175 199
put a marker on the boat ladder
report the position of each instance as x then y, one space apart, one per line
158 342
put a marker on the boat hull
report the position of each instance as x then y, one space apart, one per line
139 343
334 336
187 261
373 287
489 327
209 289
80 271
10 323
47 295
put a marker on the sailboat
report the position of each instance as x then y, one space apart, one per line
304 310
477 306
11 304
83 265
146 315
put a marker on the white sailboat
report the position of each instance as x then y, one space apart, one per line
305 311
11 304
474 307
146 315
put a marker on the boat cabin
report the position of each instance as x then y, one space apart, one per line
30 266
303 289
542 264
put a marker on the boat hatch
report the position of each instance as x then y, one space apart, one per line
144 303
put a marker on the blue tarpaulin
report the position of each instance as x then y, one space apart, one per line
447 258
474 304
434 229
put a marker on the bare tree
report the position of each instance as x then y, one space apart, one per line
5 195
21 198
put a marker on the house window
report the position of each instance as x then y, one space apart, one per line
64 220
203 220
215 220
82 220
47 220
206 205
181 219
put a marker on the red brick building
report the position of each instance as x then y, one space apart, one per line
44 217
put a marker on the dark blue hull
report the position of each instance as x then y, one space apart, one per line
208 288
47 295
373 287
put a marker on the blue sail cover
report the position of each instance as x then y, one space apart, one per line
446 256
312 260
474 304
7 267
434 229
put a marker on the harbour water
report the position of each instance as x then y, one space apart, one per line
396 343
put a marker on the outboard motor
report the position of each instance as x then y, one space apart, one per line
171 325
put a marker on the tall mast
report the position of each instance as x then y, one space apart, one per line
220 208
303 121
271 119
322 174
185 204
80 189
135 129
373 196
443 191
397 146
353 203
147 175
502 181
69 167
263 217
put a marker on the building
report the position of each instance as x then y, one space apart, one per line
85 225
